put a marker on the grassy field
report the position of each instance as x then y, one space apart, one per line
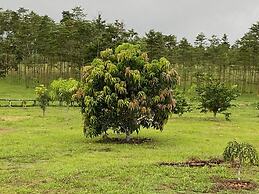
51 155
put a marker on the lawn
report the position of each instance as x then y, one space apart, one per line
51 155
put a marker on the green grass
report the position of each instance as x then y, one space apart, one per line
51 155
8 90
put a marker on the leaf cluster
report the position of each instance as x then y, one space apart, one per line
63 90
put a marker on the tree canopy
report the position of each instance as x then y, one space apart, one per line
215 96
124 92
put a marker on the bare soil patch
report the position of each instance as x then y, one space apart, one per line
233 184
4 130
165 187
194 163
13 118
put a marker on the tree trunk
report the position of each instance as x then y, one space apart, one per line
127 135
239 172
105 136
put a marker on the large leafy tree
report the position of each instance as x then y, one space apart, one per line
124 92
249 47
8 25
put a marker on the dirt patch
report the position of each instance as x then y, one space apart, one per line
194 163
13 118
165 187
4 130
233 184
123 141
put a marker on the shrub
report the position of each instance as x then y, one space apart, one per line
215 96
42 97
63 90
124 92
242 153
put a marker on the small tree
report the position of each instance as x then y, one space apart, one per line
242 153
42 97
182 105
215 96
124 92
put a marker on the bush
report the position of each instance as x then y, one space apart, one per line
241 153
124 92
63 90
215 96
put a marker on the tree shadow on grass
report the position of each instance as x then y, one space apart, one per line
194 162
115 140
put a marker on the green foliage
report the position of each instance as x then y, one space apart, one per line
63 90
182 105
242 153
79 98
42 97
29 39
124 92
215 96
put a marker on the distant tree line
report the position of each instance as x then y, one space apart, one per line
28 38
33 41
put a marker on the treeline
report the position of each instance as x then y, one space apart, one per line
34 47
28 38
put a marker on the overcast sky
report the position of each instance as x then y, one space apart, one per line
183 18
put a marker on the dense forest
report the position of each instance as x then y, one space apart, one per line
35 48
